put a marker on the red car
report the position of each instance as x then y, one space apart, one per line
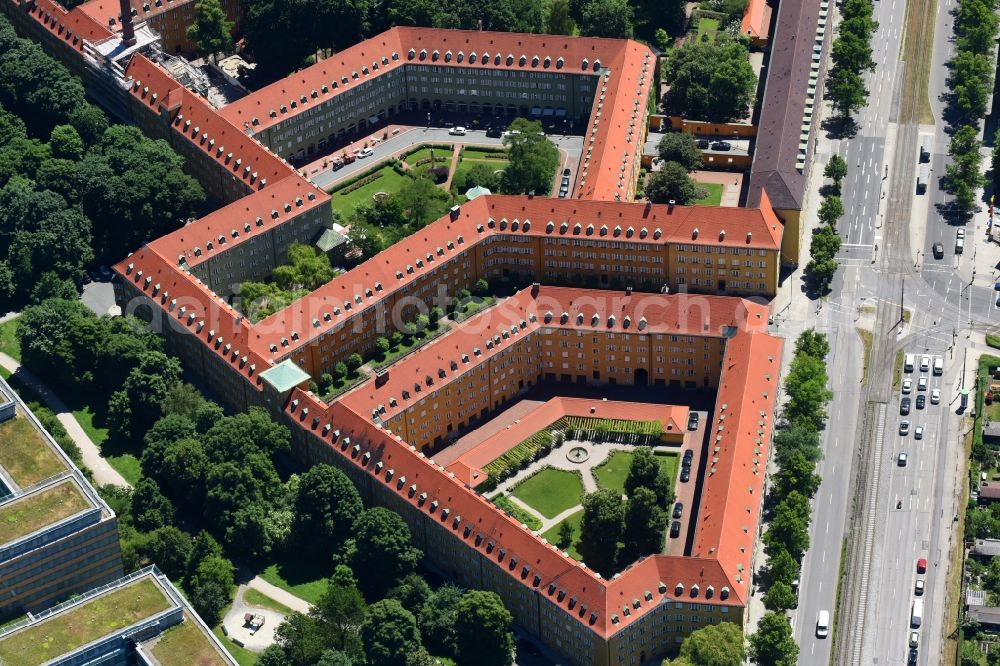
921 565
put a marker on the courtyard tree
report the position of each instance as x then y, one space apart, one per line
713 645
680 147
645 525
645 472
211 30
712 81
601 530
672 183
533 159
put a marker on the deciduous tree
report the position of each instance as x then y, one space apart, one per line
773 644
601 530
483 630
389 633
382 550
212 30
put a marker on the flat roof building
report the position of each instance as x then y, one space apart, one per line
57 536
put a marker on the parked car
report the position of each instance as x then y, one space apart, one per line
685 475
675 529
904 427
687 458
914 638
918 587
566 172
904 406
693 418
722 145
907 385
457 131
925 363
921 400
922 565
703 143
935 396
922 384
938 249
911 660
960 233
678 510
901 459
918 432
563 192
494 132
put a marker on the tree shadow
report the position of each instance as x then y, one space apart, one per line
840 127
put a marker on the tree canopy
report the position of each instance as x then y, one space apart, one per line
212 30
714 645
382 550
712 81
533 159
483 630
672 183
682 148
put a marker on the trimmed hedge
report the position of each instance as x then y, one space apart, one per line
522 454
361 182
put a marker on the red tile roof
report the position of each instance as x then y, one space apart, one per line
753 24
189 307
72 27
469 466
402 263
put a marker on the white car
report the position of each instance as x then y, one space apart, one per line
925 363
904 429
907 385
901 459
935 396
914 638
365 152
922 384
457 131
918 587
960 233
918 432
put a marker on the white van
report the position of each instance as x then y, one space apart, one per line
823 624
938 365
908 363
917 614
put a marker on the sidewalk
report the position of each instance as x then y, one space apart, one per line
103 472
280 595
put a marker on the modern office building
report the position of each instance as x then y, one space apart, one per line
57 536
140 619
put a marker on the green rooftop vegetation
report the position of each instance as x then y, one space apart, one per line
24 516
186 645
25 455
84 624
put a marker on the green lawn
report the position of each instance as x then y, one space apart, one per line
408 344
87 622
551 491
473 153
574 521
304 580
24 516
127 465
243 656
257 598
613 471
503 502
707 26
465 164
8 341
714 197
346 204
25 455
185 645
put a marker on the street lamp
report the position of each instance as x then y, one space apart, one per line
428 120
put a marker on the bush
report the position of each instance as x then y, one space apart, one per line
361 182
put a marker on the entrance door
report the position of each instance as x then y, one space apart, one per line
641 377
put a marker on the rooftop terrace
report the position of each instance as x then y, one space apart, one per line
76 625
41 508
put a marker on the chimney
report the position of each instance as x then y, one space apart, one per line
128 31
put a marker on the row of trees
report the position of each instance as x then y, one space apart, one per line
797 450
615 531
407 626
852 57
826 241
326 25
72 188
712 81
971 81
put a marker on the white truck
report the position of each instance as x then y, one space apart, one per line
917 614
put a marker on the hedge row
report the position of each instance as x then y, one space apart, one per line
522 454
361 182
614 426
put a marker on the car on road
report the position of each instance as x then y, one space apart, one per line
722 145
918 587
457 131
918 432
904 406
907 385
904 427
911 660
365 152
959 245
925 363
914 638
960 233
703 143
563 192
935 396
685 475
901 459
938 250
687 458
693 420
922 565
922 384
678 510
566 172
675 529
921 400
823 624
494 132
